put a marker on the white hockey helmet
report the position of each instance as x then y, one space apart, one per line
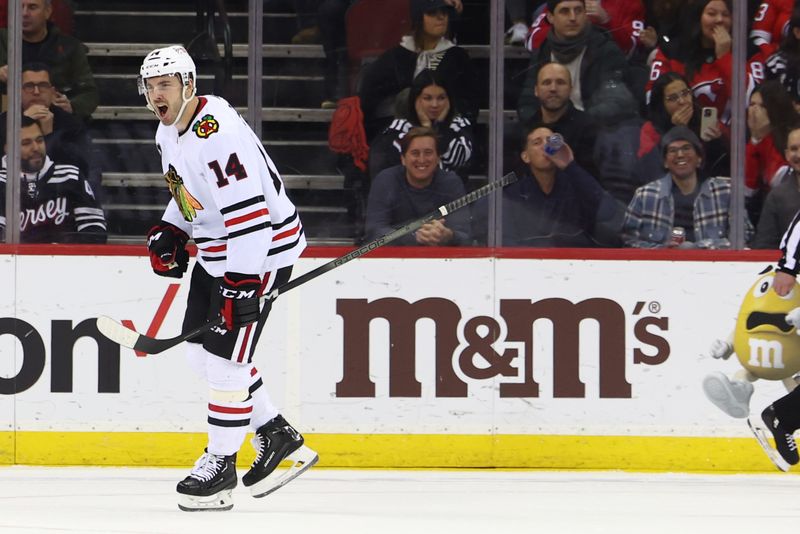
168 61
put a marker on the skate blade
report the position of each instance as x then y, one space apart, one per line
303 459
774 456
219 502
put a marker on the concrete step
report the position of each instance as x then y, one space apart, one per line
142 26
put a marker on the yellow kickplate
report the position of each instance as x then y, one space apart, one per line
634 453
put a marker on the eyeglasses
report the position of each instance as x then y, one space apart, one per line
41 86
675 150
674 97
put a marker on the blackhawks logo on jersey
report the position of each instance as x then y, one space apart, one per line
205 126
187 204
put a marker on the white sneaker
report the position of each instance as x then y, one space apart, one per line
517 34
730 396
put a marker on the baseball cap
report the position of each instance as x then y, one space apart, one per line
420 7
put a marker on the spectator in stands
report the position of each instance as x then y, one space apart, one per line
66 137
588 53
702 53
428 105
784 63
783 201
681 200
615 146
770 115
62 15
557 112
57 203
42 41
428 47
622 19
556 203
406 192
771 23
672 104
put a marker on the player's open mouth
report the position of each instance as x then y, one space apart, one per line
759 319
162 111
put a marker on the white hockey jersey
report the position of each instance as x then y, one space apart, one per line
227 193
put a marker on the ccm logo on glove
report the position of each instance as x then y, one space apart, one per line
240 302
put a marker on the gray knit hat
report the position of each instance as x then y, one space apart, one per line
681 133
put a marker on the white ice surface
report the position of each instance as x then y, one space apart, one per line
136 500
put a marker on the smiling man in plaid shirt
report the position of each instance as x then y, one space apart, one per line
681 199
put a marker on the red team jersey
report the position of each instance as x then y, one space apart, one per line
771 21
711 84
762 163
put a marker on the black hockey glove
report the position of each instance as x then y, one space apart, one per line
240 302
167 246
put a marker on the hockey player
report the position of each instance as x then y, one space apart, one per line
57 203
228 196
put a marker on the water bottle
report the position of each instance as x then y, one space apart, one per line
553 144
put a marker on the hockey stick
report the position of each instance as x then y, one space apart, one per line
117 332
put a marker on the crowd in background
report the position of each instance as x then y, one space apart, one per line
639 90
641 93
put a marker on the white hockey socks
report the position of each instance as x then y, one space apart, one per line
263 409
228 421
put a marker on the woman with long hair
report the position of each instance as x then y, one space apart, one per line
428 46
770 116
703 55
428 104
672 103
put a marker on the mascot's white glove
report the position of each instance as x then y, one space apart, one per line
793 317
722 349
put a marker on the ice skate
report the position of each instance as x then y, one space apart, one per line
209 486
730 396
785 445
274 442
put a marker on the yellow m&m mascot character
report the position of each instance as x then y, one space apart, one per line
766 342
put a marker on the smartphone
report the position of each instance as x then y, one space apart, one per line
708 117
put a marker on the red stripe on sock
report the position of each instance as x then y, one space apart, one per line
228 409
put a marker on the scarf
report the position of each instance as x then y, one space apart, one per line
427 59
566 50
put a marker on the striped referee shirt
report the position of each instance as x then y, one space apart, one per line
790 248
